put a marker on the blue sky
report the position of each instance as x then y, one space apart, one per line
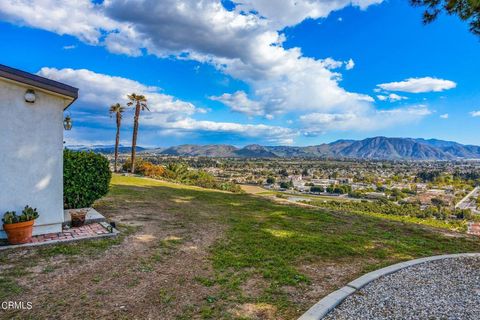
299 72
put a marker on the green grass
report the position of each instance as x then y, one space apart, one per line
272 241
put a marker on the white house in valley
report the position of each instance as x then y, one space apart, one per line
31 146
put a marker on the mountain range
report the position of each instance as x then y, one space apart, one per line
381 148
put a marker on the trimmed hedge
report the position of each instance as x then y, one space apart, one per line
86 178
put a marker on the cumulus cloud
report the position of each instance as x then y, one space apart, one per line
167 113
99 90
289 13
80 18
419 85
475 113
240 102
444 116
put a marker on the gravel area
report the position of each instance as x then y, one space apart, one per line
443 289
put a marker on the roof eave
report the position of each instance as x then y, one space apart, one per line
39 82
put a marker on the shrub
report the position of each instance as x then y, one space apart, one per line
180 172
152 170
86 178
201 179
230 186
139 166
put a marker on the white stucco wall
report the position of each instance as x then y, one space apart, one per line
31 155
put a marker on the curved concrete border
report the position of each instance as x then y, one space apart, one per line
324 306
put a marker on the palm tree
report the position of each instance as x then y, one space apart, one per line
140 103
117 109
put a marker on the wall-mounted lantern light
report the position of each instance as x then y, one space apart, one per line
67 123
30 96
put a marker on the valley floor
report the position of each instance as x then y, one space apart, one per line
187 252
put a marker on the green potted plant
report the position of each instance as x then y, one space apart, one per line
19 227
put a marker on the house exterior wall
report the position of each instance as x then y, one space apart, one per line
31 155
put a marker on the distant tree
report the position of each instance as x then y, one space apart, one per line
467 10
270 180
427 176
464 214
286 185
317 189
437 202
140 103
117 109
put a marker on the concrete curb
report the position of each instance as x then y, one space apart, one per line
324 306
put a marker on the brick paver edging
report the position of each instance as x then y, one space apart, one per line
86 232
324 306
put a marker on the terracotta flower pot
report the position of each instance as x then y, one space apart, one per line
78 218
18 233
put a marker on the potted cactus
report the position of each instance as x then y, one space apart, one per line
19 227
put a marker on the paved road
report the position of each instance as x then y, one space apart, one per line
466 203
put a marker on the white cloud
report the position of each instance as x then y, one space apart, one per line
239 102
350 64
289 13
69 47
475 113
392 97
369 120
419 85
444 116
79 18
98 91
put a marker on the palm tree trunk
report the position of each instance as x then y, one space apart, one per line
135 132
117 139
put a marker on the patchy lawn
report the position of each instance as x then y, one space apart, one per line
194 253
